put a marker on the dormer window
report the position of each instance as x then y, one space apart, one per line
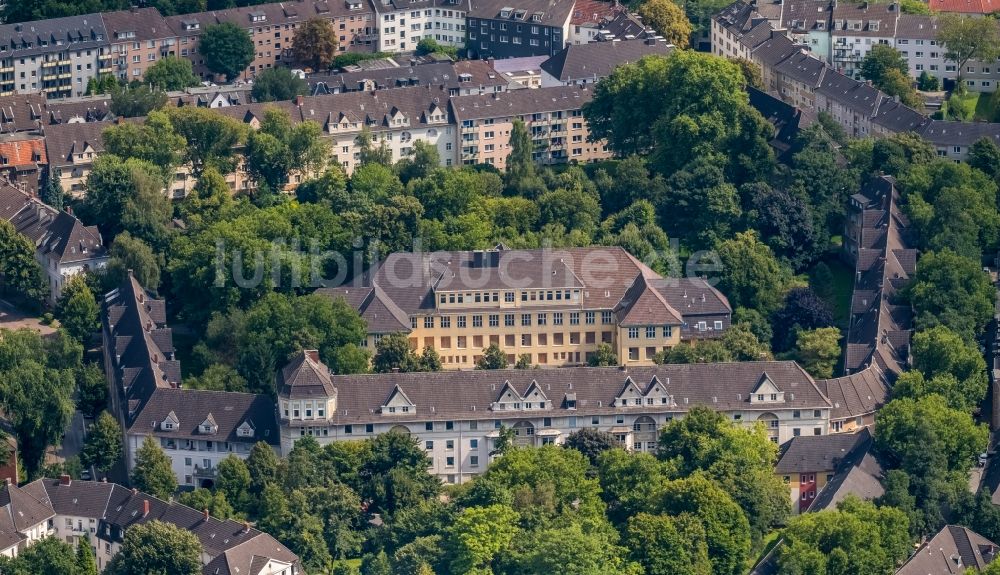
245 430
209 426
505 12
766 392
397 403
170 423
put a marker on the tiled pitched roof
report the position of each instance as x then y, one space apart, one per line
520 102
552 12
820 453
193 406
965 6
86 109
144 23
64 140
237 544
953 550
469 394
57 235
599 59
897 117
53 35
644 305
22 151
858 96
25 509
593 12
21 112
861 479
857 394
917 27
305 377
876 20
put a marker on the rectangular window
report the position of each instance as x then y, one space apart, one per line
633 333
650 332
428 322
574 318
494 320
605 317
461 321
446 321
474 461
508 319
590 317
526 319
542 319
477 321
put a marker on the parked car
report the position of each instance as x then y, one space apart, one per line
982 459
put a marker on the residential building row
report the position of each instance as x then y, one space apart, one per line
557 306
59 56
100 514
64 247
842 33
795 74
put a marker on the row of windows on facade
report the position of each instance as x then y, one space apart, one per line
509 296
590 318
506 39
416 14
502 26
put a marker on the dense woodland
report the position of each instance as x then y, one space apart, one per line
695 167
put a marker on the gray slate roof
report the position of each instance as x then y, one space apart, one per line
56 234
305 377
820 453
598 59
951 551
450 395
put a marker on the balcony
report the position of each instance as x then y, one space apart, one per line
205 472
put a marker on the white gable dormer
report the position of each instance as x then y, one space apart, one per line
398 118
509 399
398 404
534 397
630 395
170 423
657 393
766 391
209 426
245 429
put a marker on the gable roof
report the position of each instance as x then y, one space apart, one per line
951 551
57 235
820 453
598 59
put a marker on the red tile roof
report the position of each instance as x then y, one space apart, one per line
965 6
592 12
23 152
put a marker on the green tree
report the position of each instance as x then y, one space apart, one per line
571 551
202 499
393 353
879 61
47 555
939 352
629 481
36 389
158 548
726 529
376 564
52 192
154 141
226 48
493 358
218 377
393 474
77 309
666 545
135 101
751 275
966 38
233 480
603 356
86 564
20 272
857 537
952 291
171 73
126 195
520 177
927 82
92 390
130 253
103 446
153 472
910 426
429 45
668 19
984 155
277 84
743 344
211 137
315 44
478 535
818 350
591 442
263 465
739 459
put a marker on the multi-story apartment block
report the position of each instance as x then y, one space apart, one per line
63 245
457 416
57 56
195 428
858 27
497 29
99 515
556 306
403 23
272 27
553 116
396 119
139 38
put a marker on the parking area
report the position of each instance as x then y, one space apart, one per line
12 318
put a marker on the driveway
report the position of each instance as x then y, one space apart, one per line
12 318
72 443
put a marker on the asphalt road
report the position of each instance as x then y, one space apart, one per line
72 443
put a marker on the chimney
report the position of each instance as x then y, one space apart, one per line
246 527
299 100
65 479
204 514
135 491
119 120
145 507
312 354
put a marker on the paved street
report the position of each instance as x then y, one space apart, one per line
72 443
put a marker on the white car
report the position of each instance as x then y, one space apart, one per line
982 459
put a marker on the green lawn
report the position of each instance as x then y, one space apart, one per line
984 110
